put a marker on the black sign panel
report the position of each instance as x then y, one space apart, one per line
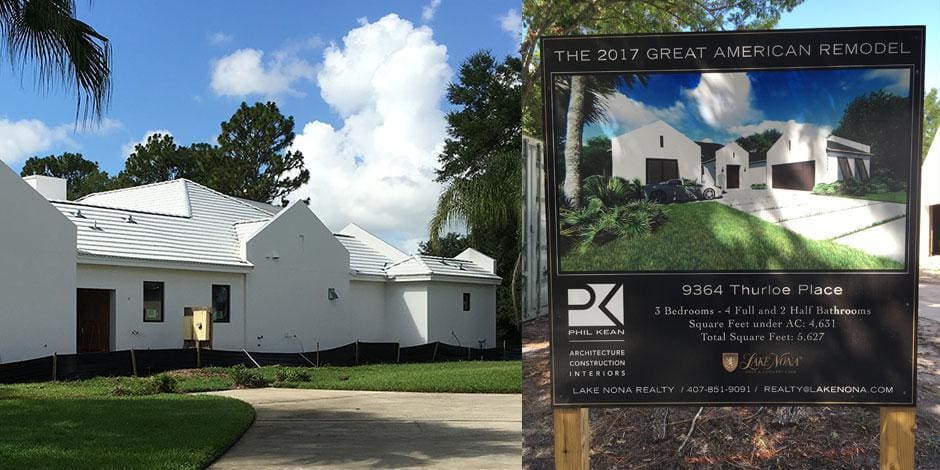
732 217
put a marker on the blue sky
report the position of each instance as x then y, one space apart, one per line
723 106
368 111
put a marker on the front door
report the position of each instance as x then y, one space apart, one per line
734 176
94 320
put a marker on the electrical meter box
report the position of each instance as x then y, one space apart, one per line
197 324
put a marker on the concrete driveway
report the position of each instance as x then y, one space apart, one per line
345 429
871 226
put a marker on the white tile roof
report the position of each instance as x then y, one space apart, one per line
421 265
181 221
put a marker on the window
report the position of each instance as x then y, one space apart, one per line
860 169
466 301
660 141
221 303
659 170
153 301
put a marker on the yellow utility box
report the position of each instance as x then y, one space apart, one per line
197 326
202 325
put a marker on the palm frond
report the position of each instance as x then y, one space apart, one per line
46 33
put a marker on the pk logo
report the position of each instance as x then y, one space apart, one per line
596 305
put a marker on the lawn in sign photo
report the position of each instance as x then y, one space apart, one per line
765 170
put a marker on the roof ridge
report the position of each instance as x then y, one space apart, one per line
132 187
122 209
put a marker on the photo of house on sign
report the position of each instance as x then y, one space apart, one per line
792 170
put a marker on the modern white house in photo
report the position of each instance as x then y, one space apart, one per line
116 270
803 156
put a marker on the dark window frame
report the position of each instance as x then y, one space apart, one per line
228 303
657 166
466 301
860 169
662 142
162 301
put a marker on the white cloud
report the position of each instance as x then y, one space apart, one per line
128 148
625 114
386 82
723 99
28 137
806 130
900 79
427 13
244 72
511 22
219 37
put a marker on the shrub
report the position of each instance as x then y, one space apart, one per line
291 375
759 186
244 378
597 223
163 383
611 191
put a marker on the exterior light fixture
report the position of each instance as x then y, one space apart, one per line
331 294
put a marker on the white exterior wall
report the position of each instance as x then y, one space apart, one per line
37 274
630 151
406 312
181 288
367 305
800 143
446 317
929 196
731 154
287 305
754 175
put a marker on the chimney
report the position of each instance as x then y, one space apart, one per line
50 188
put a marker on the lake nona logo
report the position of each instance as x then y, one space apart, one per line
729 361
596 305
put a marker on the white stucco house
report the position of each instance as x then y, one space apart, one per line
803 156
930 208
653 153
116 270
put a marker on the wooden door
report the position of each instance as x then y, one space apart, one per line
94 320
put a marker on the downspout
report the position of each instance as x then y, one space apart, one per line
245 311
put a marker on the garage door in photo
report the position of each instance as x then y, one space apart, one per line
801 175
661 169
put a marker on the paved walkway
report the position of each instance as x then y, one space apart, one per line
846 221
344 429
929 301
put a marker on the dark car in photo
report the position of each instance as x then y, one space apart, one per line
675 190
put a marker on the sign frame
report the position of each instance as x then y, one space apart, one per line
560 280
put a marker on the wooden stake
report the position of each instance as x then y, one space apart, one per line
318 354
357 352
897 438
398 357
55 364
198 356
134 362
572 439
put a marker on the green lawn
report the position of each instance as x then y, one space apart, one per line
896 196
455 377
712 236
81 425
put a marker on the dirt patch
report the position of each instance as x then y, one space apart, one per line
728 437
185 373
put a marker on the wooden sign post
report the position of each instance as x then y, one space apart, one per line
897 438
572 439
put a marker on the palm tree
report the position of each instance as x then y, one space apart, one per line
586 103
488 201
47 33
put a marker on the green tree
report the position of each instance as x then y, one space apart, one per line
83 176
254 152
489 118
931 119
159 159
448 246
63 48
596 157
880 119
759 142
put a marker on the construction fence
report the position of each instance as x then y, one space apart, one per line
144 362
